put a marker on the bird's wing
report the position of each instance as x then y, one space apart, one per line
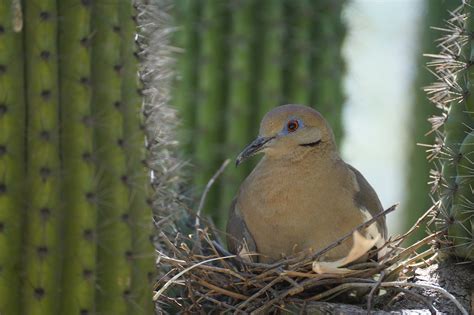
239 239
366 198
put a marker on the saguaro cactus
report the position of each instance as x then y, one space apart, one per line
453 149
211 96
238 126
114 235
72 155
79 184
12 161
43 222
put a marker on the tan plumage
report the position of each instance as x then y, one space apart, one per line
301 196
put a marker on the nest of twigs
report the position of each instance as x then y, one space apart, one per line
200 275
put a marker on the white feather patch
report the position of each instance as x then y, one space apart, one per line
360 247
372 230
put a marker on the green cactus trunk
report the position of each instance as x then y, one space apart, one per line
137 180
211 99
460 230
328 33
453 146
44 219
79 184
270 93
114 235
72 155
298 57
12 161
239 111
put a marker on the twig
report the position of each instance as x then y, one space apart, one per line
417 223
396 284
412 248
420 297
428 286
372 292
260 292
217 302
222 290
157 294
222 270
170 245
206 191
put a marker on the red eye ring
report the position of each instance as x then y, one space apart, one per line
292 125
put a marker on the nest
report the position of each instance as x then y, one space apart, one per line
200 275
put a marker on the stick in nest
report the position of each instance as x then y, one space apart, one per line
206 191
173 280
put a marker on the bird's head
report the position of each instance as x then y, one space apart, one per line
289 130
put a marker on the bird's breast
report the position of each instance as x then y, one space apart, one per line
289 210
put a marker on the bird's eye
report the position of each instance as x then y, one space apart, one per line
292 125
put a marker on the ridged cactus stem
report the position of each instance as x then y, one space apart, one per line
211 98
460 229
137 181
456 127
12 161
79 182
328 65
41 285
299 58
454 146
271 83
185 87
114 235
239 111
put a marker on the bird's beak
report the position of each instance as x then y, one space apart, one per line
253 148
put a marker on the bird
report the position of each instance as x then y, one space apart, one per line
301 196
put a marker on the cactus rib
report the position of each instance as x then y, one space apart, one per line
140 219
41 286
114 235
12 162
78 187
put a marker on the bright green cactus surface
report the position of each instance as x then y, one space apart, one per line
75 223
12 161
239 59
454 149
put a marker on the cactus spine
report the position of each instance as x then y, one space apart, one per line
137 181
72 156
79 184
12 162
453 148
417 198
